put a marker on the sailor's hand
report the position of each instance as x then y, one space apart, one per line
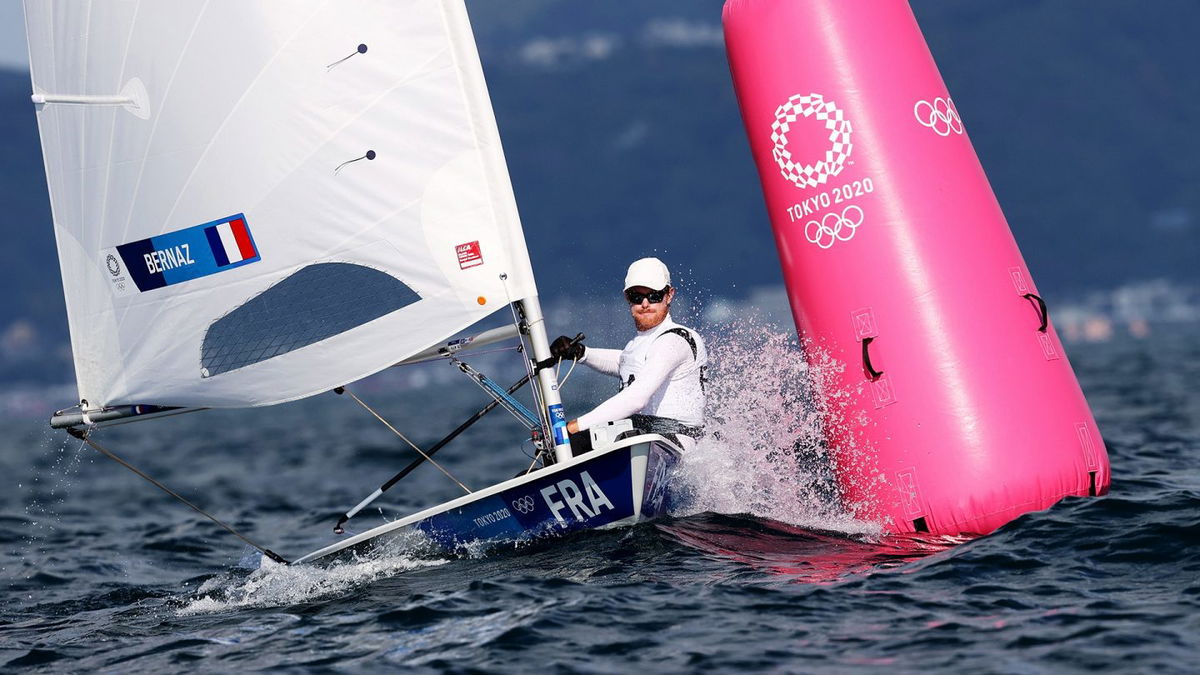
565 348
573 427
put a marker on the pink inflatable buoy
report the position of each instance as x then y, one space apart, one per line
898 260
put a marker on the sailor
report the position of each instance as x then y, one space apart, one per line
661 369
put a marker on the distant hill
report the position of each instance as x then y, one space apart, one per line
623 138
33 324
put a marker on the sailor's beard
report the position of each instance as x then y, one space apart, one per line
647 320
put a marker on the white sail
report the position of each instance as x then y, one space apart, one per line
256 201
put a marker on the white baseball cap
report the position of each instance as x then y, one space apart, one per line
648 272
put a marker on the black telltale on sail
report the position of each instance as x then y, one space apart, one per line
369 156
361 49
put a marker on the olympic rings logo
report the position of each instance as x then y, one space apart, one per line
941 116
838 128
834 227
524 504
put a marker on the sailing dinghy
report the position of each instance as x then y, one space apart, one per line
256 204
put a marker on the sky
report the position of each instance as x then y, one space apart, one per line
13 53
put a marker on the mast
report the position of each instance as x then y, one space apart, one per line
547 381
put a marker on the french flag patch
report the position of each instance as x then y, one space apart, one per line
179 256
230 241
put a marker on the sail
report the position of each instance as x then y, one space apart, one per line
257 201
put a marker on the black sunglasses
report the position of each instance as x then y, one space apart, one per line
655 297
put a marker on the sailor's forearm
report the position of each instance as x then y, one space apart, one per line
607 361
629 401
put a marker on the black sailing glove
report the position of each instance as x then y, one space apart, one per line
564 348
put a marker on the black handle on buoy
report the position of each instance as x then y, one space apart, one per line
871 372
1043 313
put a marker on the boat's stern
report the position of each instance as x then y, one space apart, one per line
652 461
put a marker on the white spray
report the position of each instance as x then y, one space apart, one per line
765 452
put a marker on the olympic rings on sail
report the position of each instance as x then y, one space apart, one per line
834 226
523 504
941 116
838 128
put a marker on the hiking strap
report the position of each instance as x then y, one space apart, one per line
686 335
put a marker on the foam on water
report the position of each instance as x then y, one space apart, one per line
277 585
765 452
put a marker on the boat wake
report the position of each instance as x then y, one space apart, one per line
765 453
274 585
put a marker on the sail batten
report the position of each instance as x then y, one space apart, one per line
240 223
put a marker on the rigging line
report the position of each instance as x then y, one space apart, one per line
516 322
563 382
527 359
85 437
474 353
489 386
537 454
404 438
337 529
568 375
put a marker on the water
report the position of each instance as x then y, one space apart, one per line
762 571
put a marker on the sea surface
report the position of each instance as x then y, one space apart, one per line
760 571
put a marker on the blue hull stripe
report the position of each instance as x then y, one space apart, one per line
589 495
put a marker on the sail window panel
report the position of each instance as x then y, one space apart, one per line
315 303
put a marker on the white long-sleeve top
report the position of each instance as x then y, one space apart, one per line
666 377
